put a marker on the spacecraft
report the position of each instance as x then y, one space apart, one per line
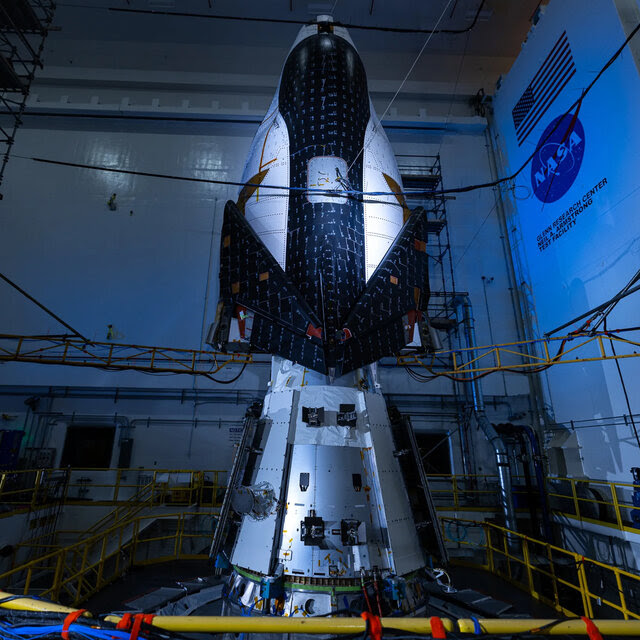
311 269
328 507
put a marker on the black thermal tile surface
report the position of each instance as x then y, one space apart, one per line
325 104
282 316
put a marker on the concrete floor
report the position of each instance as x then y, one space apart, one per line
141 580
485 582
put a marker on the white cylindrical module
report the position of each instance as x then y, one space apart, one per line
343 516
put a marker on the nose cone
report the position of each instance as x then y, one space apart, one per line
323 24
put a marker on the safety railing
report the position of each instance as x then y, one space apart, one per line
597 501
71 574
29 489
466 493
570 583
61 537
133 506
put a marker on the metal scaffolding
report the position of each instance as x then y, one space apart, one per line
517 357
424 173
463 363
24 25
73 351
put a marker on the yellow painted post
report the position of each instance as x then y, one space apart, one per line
57 577
103 550
454 487
487 535
527 564
616 505
554 580
623 600
584 589
177 547
83 565
576 504
27 582
3 480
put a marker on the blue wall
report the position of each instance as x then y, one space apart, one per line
576 210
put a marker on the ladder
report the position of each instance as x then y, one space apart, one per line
243 463
415 478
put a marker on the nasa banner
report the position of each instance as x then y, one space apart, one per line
576 199
574 208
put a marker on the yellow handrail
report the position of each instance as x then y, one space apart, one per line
560 578
593 501
27 489
541 568
76 571
598 501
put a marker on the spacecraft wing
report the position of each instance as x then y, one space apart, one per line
395 293
251 279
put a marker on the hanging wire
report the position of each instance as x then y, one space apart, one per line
346 25
399 89
624 388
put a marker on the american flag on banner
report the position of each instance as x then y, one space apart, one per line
550 79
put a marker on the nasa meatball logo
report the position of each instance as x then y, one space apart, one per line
558 158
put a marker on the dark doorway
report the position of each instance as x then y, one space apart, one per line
434 449
88 447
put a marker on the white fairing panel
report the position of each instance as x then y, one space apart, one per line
267 209
382 218
257 537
